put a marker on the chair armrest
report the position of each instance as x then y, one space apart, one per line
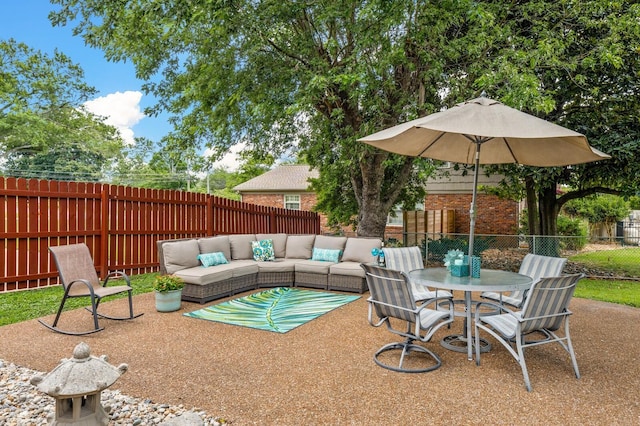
80 281
117 274
500 308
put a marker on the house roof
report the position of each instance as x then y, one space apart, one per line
288 177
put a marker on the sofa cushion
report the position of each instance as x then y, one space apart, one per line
180 255
241 246
278 265
347 268
313 266
359 249
213 244
299 246
263 250
244 267
326 255
279 243
204 276
212 259
329 242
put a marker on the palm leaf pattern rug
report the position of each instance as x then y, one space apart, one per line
278 309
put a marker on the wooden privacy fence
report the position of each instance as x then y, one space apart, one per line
119 224
427 222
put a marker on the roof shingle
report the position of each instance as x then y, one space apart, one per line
290 177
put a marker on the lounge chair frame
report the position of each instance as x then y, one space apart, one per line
78 278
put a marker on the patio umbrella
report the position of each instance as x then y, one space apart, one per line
485 131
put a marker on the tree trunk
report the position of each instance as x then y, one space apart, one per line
532 207
548 209
376 193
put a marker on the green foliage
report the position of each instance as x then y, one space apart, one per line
164 283
316 76
599 209
634 202
437 249
575 230
44 130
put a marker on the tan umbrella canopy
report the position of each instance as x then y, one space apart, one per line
485 131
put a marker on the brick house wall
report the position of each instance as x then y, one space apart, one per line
493 215
307 202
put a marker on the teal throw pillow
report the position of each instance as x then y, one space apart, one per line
263 250
212 259
326 255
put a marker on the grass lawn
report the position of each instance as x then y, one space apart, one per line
25 305
20 306
625 292
623 262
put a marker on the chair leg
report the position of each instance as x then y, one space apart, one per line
569 347
54 326
406 348
522 362
131 314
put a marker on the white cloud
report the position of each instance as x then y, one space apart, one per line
121 110
230 161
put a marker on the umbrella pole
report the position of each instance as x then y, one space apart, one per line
472 209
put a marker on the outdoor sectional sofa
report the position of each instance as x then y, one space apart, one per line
316 261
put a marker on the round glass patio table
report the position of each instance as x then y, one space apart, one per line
490 280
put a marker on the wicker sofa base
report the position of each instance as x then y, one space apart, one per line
347 283
276 279
244 283
206 293
307 279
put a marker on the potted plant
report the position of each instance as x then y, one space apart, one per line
168 290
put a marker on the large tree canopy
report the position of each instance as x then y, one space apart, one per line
44 131
317 75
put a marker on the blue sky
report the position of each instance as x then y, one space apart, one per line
119 92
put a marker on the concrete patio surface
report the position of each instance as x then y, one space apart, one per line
322 373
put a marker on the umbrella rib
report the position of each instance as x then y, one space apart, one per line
431 144
513 155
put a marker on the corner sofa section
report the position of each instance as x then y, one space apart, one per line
296 263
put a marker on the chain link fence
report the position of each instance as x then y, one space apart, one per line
618 259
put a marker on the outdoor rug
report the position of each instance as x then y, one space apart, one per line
278 309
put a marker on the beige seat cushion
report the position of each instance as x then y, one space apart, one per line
180 255
352 269
203 276
244 267
241 246
330 242
299 246
279 242
313 266
215 244
278 265
359 250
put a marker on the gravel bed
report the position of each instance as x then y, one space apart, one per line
21 404
322 373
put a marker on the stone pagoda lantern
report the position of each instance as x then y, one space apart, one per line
76 385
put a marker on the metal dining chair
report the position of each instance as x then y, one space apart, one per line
391 298
545 309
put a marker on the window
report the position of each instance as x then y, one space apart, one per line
292 202
395 218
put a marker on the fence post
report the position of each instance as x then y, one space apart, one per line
104 233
